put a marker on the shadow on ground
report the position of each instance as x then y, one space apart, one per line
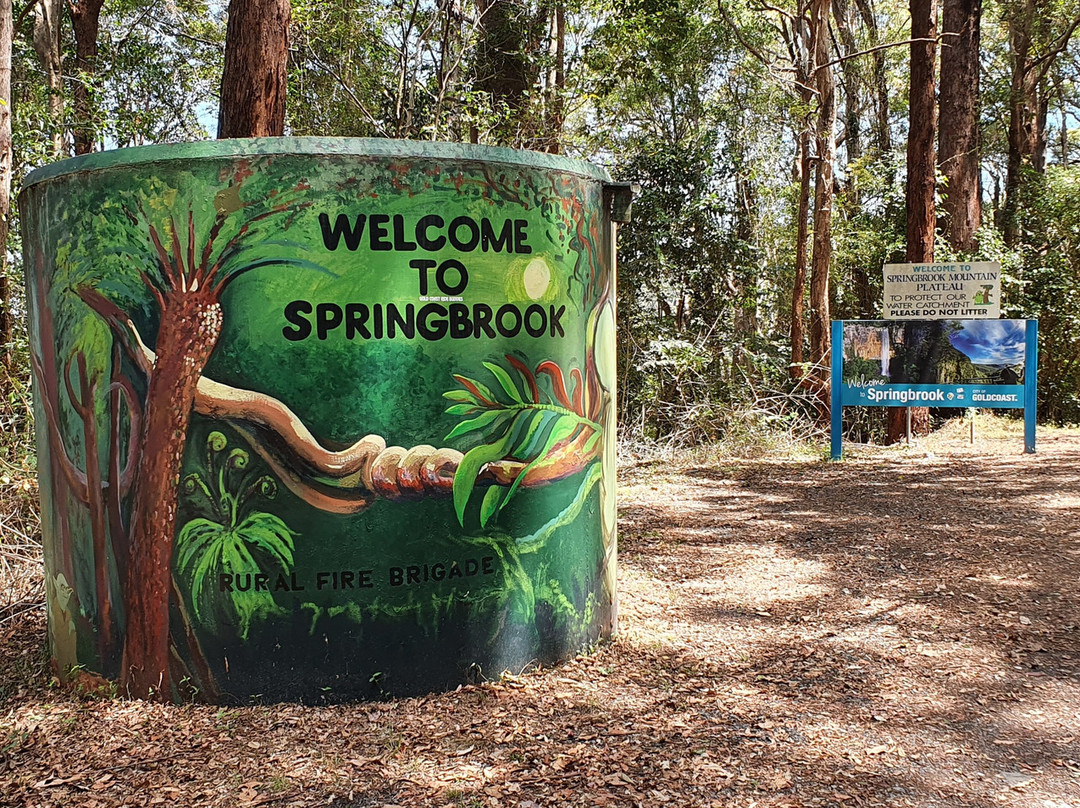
897 630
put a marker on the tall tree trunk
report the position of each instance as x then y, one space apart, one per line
852 79
823 192
47 15
85 21
802 231
921 181
510 37
1023 120
882 132
556 80
7 33
922 130
958 149
1063 116
254 76
190 327
1028 102
798 37
742 285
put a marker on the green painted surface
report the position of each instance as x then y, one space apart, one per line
295 574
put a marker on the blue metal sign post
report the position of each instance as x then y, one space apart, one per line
1031 362
1001 364
836 410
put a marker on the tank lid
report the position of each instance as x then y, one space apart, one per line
314 146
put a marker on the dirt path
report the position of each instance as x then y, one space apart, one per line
900 629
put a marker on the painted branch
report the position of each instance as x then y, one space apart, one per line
365 470
72 474
121 388
203 675
88 385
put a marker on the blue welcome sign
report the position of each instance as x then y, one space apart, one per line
934 363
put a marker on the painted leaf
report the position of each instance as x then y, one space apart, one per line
527 375
480 422
492 502
469 468
562 429
270 534
460 395
478 389
505 382
534 437
570 513
462 409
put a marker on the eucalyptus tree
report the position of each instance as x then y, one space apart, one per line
680 109
7 35
958 136
921 169
253 82
804 31
48 42
341 69
1039 32
85 23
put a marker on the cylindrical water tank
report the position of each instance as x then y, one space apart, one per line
322 419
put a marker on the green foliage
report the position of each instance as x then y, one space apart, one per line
158 65
693 101
524 420
340 67
1047 286
231 538
422 69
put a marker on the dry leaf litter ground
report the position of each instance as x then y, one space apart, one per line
900 629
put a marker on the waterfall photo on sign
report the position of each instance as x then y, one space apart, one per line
934 352
323 419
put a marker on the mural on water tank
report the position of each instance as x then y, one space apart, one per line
322 425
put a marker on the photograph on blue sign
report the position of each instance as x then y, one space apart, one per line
934 363
943 363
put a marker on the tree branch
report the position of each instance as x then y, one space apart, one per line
754 51
1055 50
886 46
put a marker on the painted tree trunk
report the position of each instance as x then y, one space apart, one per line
190 327
83 403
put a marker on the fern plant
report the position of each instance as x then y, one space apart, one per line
230 537
531 420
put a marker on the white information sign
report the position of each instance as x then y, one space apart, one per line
942 291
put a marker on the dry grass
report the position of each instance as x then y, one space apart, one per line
21 582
